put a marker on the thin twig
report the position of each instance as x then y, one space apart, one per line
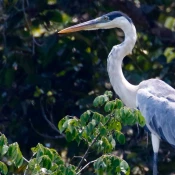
25 159
43 135
48 121
86 166
80 157
83 158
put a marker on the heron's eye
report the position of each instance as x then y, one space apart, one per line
106 18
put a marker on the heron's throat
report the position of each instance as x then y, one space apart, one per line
125 90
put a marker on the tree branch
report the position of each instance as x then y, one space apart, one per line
44 135
48 121
86 166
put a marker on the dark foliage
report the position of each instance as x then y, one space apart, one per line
45 76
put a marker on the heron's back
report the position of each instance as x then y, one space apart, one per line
156 101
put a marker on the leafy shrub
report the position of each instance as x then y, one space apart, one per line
99 132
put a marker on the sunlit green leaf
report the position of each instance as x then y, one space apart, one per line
85 117
3 145
15 154
109 94
109 106
141 119
3 168
45 161
98 117
100 100
120 137
124 167
63 123
119 103
70 135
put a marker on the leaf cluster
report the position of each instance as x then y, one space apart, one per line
111 165
47 161
12 151
105 129
102 132
43 161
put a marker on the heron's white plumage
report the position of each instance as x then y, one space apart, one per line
155 142
125 90
154 98
156 101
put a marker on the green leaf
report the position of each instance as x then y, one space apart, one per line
100 100
109 94
15 154
141 119
98 117
96 102
3 145
103 130
56 158
33 167
111 141
45 162
123 115
70 135
3 140
54 167
40 150
109 106
4 150
125 167
85 117
111 164
117 115
106 144
3 168
115 161
119 103
63 123
118 126
72 124
90 127
130 118
120 137
114 125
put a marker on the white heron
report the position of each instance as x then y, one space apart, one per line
154 98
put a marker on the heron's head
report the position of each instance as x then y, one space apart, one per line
110 20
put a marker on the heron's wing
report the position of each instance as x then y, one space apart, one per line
156 101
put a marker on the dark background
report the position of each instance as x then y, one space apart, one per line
45 76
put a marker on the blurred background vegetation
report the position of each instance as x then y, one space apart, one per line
45 76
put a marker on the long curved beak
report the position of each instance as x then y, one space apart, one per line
89 25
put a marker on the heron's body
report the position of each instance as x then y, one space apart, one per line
154 98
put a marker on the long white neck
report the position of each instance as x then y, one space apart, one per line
125 90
